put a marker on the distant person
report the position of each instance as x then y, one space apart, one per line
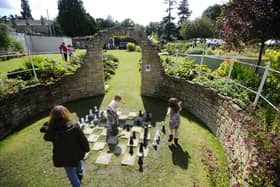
113 119
70 50
174 108
69 143
63 51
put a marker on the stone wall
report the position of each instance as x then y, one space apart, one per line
217 112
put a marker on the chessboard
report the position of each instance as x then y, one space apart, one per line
135 129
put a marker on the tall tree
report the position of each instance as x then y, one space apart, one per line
73 18
167 22
127 23
184 11
199 28
246 20
26 12
213 12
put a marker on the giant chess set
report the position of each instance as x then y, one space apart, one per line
136 127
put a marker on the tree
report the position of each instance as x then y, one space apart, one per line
104 23
246 20
199 28
127 23
184 11
73 18
168 25
154 27
26 12
212 12
4 36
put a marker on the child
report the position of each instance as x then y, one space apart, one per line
174 108
112 115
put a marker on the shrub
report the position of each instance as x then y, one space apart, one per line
197 51
131 47
26 75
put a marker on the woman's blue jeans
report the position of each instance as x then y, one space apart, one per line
72 173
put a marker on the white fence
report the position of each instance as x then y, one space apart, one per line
233 59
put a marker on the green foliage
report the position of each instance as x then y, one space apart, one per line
199 28
4 36
26 12
213 12
73 18
196 51
110 65
172 48
223 69
184 11
26 75
130 47
8 86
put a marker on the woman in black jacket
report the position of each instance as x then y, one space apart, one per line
69 143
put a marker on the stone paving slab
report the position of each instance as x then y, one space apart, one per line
86 156
93 138
142 135
98 146
88 130
123 117
137 129
125 134
104 132
129 122
128 159
104 158
112 140
146 151
120 149
132 114
135 142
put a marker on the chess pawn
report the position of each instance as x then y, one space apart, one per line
95 109
163 129
90 112
138 123
86 120
131 149
91 124
82 121
95 120
140 162
158 139
154 144
131 141
145 143
140 113
141 148
133 134
127 128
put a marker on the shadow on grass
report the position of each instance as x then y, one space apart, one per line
156 106
180 157
81 106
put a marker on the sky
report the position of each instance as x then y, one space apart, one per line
140 11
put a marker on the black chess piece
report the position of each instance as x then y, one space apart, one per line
140 113
163 129
138 123
127 128
145 143
133 134
131 141
154 145
146 132
140 163
131 149
158 139
141 148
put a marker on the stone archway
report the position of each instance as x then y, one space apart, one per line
92 69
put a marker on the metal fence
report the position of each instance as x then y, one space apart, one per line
228 79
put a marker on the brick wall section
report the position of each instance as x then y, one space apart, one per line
216 111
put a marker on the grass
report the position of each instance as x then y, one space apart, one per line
15 63
26 159
212 63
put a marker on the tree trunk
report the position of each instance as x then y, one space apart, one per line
260 56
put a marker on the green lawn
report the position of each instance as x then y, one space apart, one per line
26 159
15 63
